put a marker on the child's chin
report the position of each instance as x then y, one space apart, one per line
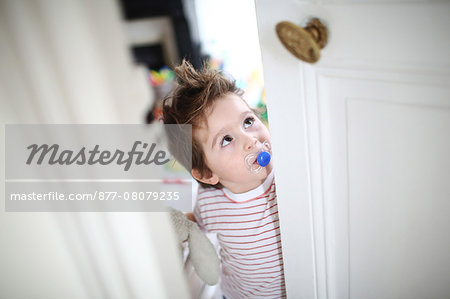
267 169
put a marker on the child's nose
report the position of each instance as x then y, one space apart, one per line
250 142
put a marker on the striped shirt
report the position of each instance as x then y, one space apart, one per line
248 232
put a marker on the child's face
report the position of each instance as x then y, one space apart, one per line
232 131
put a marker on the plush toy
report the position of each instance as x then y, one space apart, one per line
202 253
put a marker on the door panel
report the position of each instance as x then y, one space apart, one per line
361 143
385 187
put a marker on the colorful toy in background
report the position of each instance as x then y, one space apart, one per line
262 108
162 82
216 64
164 75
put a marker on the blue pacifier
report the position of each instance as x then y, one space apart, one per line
255 162
263 159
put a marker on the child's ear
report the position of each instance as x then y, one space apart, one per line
212 180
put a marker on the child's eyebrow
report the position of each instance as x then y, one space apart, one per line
224 129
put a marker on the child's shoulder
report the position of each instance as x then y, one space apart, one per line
207 193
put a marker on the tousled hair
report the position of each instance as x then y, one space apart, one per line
188 103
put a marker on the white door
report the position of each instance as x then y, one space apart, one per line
361 145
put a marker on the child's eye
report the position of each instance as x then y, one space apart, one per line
226 140
248 122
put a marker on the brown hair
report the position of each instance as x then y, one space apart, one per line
194 93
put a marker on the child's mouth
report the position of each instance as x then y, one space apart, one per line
252 159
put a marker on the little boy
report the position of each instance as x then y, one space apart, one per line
234 201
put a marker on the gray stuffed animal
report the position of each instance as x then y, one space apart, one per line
202 253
